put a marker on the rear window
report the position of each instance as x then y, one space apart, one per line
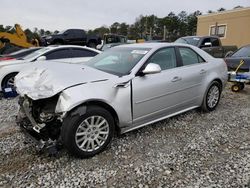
191 40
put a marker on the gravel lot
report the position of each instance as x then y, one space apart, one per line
190 150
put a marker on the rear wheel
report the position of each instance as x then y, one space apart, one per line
212 97
88 134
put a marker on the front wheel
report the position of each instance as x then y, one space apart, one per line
88 134
212 97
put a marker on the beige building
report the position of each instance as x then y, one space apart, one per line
232 26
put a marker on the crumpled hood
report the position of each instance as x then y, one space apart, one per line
46 79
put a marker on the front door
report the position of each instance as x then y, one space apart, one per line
155 94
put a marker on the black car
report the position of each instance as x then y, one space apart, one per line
72 36
18 54
234 60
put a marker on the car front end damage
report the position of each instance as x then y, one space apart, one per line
41 125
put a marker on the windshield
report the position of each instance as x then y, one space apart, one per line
118 61
242 52
61 32
35 54
192 40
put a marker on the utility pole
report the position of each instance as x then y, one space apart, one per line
164 32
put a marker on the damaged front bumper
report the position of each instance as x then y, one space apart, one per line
35 133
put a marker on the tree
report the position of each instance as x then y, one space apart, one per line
238 7
221 9
101 31
114 27
123 29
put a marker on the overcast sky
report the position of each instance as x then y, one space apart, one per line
89 14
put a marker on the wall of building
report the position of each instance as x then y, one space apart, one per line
237 25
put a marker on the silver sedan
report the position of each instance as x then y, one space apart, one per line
127 87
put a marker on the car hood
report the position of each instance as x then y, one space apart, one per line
234 62
48 79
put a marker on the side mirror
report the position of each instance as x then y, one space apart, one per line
207 44
152 68
99 46
41 58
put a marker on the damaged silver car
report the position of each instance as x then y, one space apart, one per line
127 87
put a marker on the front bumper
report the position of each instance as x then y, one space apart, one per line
33 131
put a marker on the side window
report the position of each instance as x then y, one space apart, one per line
58 54
166 58
190 57
82 53
215 42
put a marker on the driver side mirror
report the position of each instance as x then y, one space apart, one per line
41 58
152 68
207 44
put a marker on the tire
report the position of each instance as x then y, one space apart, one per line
237 87
212 97
95 130
92 45
8 80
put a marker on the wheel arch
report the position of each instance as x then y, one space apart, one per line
5 76
102 104
219 81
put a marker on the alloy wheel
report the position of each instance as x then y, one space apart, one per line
213 96
92 133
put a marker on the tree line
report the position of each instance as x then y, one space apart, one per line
146 27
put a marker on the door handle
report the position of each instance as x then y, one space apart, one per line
202 71
176 78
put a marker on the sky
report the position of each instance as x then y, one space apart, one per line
90 14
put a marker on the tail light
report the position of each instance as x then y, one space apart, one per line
6 58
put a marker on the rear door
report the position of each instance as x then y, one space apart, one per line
214 49
80 36
217 48
193 72
69 36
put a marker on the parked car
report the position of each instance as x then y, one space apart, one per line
112 40
18 54
234 60
72 36
210 44
68 54
122 89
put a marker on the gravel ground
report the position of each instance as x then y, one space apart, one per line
190 150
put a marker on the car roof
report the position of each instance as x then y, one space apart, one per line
51 47
205 36
152 45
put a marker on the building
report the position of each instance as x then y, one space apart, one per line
232 26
